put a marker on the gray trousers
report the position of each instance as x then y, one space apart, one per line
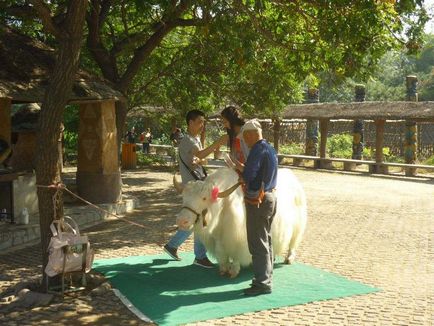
259 221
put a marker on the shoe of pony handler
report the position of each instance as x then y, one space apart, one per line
204 262
255 290
172 252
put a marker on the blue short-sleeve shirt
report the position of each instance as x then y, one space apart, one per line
261 167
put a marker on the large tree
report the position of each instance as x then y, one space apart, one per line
64 22
68 33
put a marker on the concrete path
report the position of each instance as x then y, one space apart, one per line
374 229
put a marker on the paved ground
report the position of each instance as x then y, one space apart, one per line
377 230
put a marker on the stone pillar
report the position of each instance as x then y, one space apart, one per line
311 145
5 123
98 173
410 141
323 163
358 126
379 142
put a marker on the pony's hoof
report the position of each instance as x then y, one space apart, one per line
232 274
289 260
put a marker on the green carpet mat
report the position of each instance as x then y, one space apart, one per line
177 292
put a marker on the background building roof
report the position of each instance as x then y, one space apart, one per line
25 66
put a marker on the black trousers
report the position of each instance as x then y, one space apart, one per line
258 224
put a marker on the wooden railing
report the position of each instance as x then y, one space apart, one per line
324 162
351 165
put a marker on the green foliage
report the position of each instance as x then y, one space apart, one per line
253 53
164 139
71 118
429 161
181 55
291 149
70 140
387 82
369 154
340 145
70 134
150 160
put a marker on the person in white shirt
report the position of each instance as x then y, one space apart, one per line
191 157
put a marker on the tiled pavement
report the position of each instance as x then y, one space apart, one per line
374 229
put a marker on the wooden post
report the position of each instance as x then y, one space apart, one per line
311 144
379 142
358 125
410 141
98 175
276 133
5 121
322 163
6 180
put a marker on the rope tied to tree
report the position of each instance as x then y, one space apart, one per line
60 186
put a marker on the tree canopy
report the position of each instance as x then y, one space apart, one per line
184 54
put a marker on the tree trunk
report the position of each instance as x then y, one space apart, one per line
56 97
121 116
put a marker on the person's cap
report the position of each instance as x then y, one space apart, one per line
253 124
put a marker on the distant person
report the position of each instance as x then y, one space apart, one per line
142 137
147 140
131 136
176 136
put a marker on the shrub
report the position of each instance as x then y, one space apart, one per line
162 140
340 145
150 160
429 161
70 139
291 149
369 154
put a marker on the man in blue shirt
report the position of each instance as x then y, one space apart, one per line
259 175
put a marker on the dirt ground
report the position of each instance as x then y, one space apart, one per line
378 230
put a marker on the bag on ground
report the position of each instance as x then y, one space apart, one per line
68 251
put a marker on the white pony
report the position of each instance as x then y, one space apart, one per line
215 209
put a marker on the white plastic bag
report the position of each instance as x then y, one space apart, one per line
67 249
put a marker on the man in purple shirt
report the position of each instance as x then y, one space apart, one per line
259 174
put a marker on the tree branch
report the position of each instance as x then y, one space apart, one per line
105 61
142 53
22 11
266 33
105 8
190 22
44 13
124 17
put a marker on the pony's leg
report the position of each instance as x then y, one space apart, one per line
234 269
222 259
290 257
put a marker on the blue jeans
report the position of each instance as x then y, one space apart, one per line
179 238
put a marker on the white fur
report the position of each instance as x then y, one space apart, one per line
225 236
